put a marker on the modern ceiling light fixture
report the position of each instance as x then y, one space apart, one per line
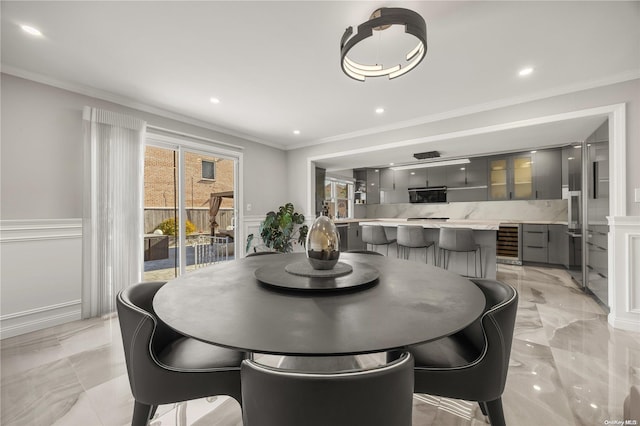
425 165
380 20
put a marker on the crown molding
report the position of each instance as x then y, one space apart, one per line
129 102
474 109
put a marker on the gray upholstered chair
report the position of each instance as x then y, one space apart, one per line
472 364
412 236
164 366
375 235
459 240
380 396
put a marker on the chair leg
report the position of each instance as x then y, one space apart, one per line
181 414
142 413
496 414
483 407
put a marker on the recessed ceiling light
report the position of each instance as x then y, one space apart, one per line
463 168
525 71
379 110
214 100
413 173
31 30
391 164
296 132
533 152
577 146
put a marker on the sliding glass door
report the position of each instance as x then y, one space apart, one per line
189 208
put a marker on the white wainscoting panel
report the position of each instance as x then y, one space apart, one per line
624 276
41 274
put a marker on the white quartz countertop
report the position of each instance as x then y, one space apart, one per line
478 225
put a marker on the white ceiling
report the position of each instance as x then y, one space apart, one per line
275 65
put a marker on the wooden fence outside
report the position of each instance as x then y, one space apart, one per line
199 217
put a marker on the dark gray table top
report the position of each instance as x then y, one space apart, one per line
411 303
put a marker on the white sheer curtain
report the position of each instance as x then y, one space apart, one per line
113 201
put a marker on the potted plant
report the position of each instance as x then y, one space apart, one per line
280 229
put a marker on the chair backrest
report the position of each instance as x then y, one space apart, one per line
374 234
376 397
411 236
457 239
492 333
143 336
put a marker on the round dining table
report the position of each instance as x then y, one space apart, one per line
407 304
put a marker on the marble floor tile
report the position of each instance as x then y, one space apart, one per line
568 366
534 394
41 395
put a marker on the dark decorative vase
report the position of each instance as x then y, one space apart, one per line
323 244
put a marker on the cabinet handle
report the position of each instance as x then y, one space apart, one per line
536 194
509 195
535 246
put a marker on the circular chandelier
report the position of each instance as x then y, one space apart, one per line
380 20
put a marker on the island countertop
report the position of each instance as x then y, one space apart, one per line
478 225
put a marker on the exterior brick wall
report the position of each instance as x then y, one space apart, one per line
159 188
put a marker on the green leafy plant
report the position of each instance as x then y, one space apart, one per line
280 229
168 227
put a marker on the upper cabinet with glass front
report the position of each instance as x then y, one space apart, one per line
511 177
535 175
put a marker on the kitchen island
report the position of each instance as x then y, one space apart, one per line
485 232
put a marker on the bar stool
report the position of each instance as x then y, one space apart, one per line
458 240
375 235
411 236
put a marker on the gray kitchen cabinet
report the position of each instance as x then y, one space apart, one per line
373 186
417 178
387 180
354 235
535 243
436 176
467 182
367 188
545 243
510 177
393 186
572 168
547 174
558 245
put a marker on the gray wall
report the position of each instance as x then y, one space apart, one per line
42 153
626 92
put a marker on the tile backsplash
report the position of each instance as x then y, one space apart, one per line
534 210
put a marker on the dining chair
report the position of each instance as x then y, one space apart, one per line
375 235
412 236
380 396
473 363
164 366
459 240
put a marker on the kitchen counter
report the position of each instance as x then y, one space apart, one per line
484 225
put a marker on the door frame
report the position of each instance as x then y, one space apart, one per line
182 145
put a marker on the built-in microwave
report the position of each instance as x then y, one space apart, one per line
430 194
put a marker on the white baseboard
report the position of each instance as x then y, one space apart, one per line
38 319
41 274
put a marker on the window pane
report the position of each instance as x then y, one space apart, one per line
208 169
341 190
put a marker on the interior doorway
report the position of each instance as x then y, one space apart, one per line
189 208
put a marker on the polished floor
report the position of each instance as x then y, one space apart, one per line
568 367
